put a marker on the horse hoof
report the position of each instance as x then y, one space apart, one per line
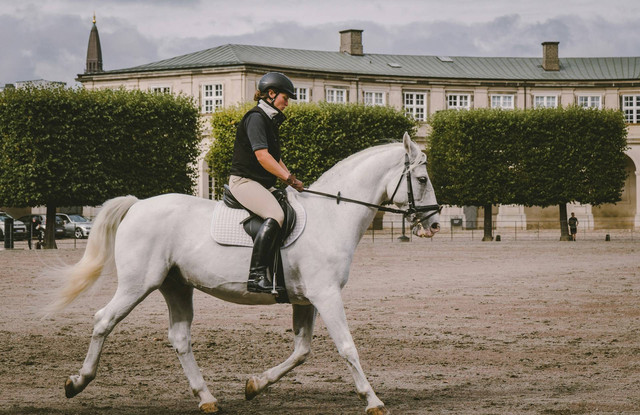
251 388
69 389
209 408
378 410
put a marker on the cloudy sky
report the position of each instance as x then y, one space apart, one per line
47 39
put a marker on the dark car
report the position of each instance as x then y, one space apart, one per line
19 228
28 221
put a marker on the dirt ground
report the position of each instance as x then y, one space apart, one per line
444 327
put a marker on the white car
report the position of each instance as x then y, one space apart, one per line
19 228
76 226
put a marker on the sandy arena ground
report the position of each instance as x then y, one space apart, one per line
443 327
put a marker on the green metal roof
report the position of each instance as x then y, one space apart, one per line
384 65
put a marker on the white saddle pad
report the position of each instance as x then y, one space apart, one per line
226 226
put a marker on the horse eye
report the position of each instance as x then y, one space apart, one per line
422 180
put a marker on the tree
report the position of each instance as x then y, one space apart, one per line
61 147
573 154
314 137
472 155
537 157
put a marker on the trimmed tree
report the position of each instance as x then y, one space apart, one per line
538 157
314 137
472 154
62 147
572 154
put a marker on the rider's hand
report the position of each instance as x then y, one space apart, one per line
295 183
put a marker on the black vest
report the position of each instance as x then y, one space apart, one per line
245 163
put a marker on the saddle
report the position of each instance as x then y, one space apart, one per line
252 224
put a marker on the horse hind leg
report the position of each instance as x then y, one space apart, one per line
179 300
303 321
124 300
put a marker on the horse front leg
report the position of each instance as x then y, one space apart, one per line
331 309
303 320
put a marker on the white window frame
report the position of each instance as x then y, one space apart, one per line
160 89
415 104
456 101
212 97
545 101
631 107
503 101
336 95
302 93
374 98
588 101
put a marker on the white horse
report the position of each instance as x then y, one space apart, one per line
316 266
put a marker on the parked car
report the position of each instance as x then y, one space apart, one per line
19 228
76 226
28 220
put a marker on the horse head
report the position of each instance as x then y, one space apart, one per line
415 192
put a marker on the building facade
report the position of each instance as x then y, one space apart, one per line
420 85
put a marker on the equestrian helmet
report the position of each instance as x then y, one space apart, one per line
279 82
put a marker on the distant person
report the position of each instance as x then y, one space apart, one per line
573 226
35 230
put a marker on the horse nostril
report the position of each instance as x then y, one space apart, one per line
435 226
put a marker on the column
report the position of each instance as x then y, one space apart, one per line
511 216
636 221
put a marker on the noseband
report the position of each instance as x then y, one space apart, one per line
411 210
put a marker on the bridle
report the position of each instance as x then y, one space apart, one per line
411 210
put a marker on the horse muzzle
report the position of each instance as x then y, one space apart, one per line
422 232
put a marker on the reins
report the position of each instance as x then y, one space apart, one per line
405 212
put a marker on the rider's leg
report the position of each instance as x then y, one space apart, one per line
264 246
259 200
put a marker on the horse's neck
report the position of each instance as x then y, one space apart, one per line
363 178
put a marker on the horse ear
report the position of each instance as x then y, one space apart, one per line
410 147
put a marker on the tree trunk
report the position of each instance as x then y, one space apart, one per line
488 223
50 231
564 228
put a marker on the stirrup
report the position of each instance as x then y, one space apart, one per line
259 283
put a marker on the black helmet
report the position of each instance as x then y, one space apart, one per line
277 81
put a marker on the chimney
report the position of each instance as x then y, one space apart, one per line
351 42
550 60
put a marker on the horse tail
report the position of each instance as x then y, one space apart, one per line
99 253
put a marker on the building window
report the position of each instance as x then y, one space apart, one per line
336 95
631 108
415 105
302 94
212 97
373 98
589 101
503 101
458 101
160 89
545 101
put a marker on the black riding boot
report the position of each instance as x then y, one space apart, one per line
262 257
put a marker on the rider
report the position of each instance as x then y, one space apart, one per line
255 167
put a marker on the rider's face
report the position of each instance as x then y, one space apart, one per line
281 100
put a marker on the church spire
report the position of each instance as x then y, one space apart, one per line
94 51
